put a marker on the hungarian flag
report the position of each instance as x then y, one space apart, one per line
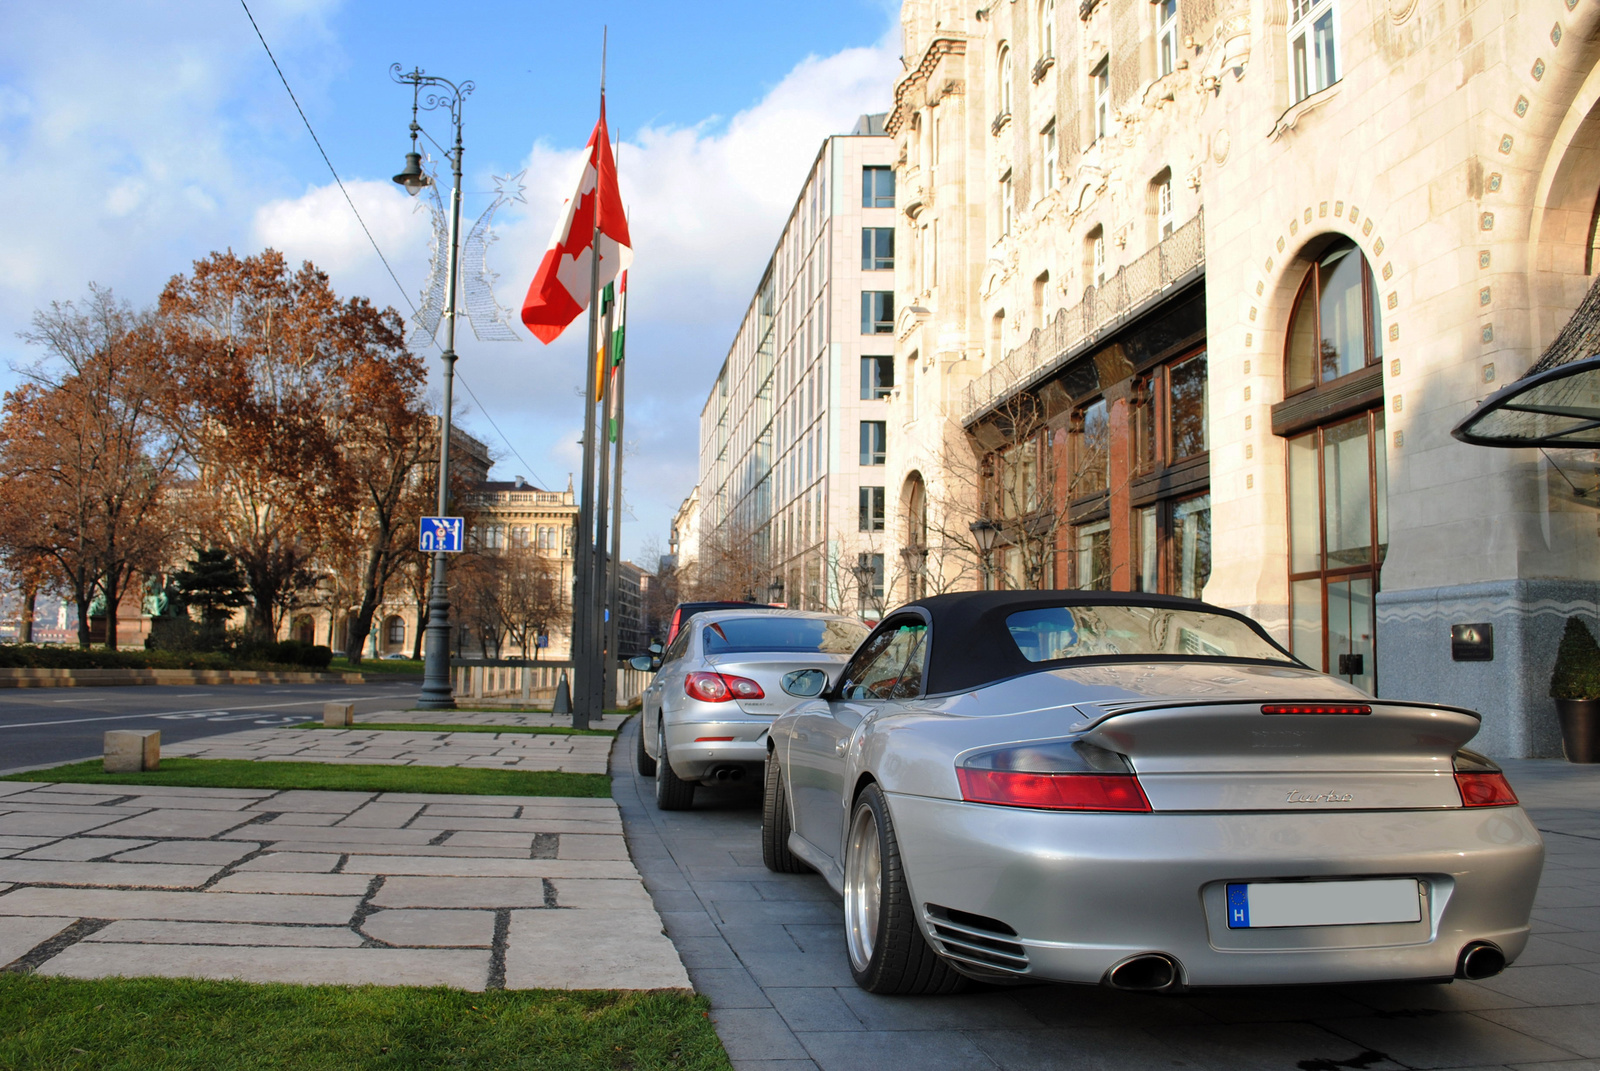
560 289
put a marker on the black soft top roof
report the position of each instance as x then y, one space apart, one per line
972 647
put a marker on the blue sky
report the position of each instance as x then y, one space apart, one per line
139 140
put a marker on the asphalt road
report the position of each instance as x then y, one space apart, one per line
40 726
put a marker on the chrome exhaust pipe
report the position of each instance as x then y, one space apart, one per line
727 773
1480 960
1149 972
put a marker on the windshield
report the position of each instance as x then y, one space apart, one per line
775 633
1099 631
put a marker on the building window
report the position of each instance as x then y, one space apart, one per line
877 312
877 248
877 378
1016 480
1004 94
1313 29
1100 86
874 442
1091 451
1047 28
869 567
1187 410
1191 546
1338 536
1163 203
1166 36
1335 328
396 631
1092 544
1147 570
877 187
1007 204
519 536
1051 155
871 509
1094 249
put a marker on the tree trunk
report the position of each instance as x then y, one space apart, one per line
422 626
112 587
30 599
82 598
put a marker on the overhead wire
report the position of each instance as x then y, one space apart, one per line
364 230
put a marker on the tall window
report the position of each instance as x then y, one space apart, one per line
1167 35
874 442
877 377
1187 415
1007 204
1163 199
877 187
1094 250
1051 155
877 312
1335 327
871 509
1092 542
1172 535
1313 31
1004 88
396 631
877 248
1091 451
1047 28
1100 85
1338 536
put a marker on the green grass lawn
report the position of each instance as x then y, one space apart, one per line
165 1024
400 726
377 665
249 773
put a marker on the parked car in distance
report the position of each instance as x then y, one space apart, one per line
685 610
704 716
1141 791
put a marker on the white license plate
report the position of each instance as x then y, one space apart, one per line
1323 903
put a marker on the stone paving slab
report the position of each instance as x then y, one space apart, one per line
522 751
590 950
19 935
139 932
524 719
461 968
767 950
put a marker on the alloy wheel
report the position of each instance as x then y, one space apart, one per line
863 887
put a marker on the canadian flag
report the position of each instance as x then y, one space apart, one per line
560 288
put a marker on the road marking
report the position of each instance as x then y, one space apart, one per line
170 713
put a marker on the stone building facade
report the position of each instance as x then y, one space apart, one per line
1193 293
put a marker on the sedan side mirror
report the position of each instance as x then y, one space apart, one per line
804 683
644 662
655 648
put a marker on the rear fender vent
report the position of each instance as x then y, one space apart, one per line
976 939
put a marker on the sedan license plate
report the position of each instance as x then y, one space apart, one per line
1322 903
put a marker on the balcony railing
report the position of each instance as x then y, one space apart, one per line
1074 329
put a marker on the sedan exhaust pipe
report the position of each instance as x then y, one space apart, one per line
1480 960
1150 972
728 773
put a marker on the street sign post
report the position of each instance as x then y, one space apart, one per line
441 534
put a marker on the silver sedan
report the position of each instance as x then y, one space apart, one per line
705 715
1140 791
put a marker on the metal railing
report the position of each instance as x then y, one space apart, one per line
1072 329
531 682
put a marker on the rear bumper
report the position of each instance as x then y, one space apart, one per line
695 758
1085 891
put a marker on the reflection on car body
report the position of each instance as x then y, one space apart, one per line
1142 791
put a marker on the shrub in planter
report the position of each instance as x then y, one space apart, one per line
1575 686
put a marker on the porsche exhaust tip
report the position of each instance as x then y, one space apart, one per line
1480 960
1150 972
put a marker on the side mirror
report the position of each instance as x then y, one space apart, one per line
805 683
644 662
655 648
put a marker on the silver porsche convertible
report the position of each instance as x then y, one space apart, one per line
1140 791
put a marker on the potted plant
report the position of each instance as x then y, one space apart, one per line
1575 686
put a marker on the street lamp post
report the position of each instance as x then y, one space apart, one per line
443 93
984 533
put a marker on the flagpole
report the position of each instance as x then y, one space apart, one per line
602 567
614 631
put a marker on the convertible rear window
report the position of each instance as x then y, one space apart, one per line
775 633
1052 632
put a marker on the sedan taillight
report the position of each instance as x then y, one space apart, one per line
1480 782
1056 775
720 687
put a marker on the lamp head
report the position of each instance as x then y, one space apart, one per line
411 176
984 531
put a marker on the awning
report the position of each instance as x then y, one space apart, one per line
1557 403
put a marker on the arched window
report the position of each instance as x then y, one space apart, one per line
1334 329
395 631
1005 80
1047 28
1337 471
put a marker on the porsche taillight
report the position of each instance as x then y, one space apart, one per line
1054 775
720 687
1480 782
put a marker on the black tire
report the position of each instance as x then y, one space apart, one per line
776 825
899 961
673 793
641 758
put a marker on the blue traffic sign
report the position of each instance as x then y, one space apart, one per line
442 534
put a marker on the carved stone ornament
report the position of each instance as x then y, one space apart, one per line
1221 143
1400 10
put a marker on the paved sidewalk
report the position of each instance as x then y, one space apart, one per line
398 747
484 717
327 887
768 950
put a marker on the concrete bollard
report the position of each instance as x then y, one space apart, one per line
338 715
132 750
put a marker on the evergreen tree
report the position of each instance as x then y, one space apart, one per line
214 583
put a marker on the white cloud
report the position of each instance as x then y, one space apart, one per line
318 226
